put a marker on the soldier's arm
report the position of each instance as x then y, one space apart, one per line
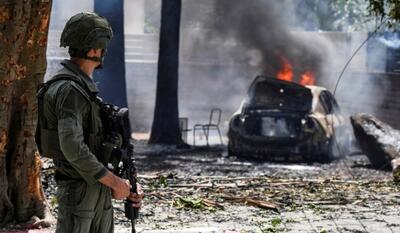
121 188
71 107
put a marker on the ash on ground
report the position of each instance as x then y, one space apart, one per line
204 188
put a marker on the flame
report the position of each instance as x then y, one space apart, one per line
286 73
308 78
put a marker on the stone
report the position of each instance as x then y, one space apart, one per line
396 169
378 140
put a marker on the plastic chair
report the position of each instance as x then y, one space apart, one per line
213 124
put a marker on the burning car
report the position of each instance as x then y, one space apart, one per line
285 121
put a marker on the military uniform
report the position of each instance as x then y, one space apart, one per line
72 118
71 132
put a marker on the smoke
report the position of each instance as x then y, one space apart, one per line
237 40
390 40
261 33
225 44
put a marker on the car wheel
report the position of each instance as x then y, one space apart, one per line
326 152
333 150
231 153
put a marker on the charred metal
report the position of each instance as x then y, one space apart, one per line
284 121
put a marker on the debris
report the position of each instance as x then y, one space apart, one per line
396 169
196 203
330 191
211 203
188 202
253 202
37 223
379 141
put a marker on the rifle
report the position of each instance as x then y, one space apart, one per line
116 124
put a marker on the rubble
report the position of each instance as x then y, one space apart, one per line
197 189
379 141
396 169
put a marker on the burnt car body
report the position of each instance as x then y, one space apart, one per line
285 121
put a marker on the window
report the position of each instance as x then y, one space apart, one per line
328 101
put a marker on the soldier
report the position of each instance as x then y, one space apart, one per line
70 130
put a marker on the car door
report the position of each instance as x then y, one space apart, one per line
333 115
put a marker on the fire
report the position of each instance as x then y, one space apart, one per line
308 78
286 73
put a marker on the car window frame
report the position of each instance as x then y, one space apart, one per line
326 102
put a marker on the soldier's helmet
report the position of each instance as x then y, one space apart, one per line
85 31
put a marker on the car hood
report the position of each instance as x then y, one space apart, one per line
271 94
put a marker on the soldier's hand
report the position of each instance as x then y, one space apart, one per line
137 198
121 189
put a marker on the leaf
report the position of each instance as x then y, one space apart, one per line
276 222
163 180
188 202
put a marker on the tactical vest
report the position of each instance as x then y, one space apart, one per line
47 140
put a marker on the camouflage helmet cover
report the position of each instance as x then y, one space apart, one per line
86 31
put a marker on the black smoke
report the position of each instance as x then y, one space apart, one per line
262 28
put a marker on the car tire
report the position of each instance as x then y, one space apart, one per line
334 150
326 152
231 153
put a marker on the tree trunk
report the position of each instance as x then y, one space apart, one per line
111 78
165 128
23 40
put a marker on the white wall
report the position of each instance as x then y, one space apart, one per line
134 16
65 9
134 12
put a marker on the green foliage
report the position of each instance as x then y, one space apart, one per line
386 9
160 182
163 181
275 222
273 226
350 15
333 15
191 203
53 201
346 15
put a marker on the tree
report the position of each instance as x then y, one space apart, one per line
344 15
389 9
332 15
23 38
111 78
165 129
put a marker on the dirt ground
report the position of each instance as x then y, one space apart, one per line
204 190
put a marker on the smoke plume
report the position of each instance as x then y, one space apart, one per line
264 36
225 44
